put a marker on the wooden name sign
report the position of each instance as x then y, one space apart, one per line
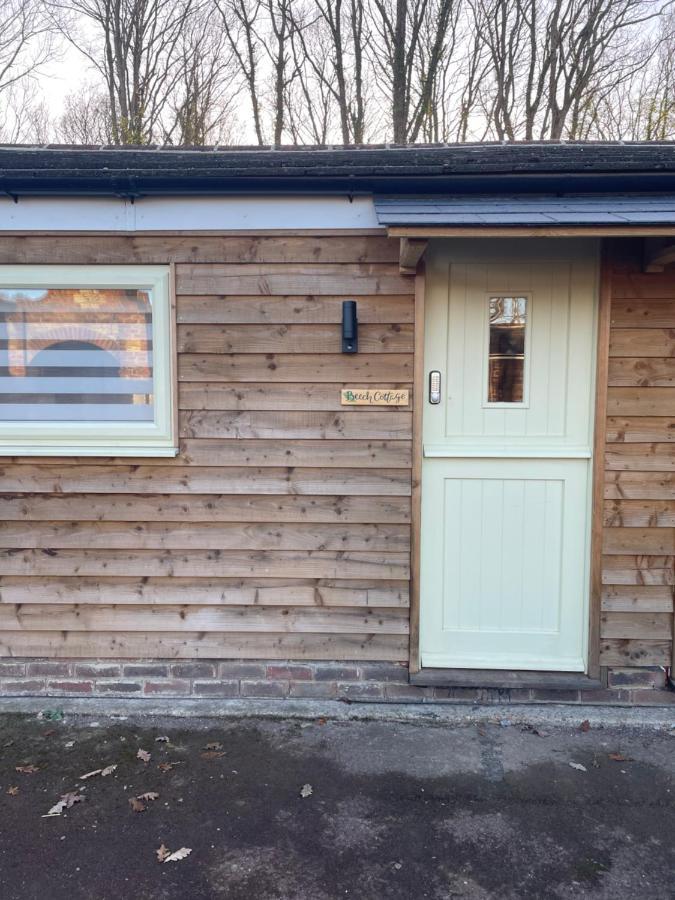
374 397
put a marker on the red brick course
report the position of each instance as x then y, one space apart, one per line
360 682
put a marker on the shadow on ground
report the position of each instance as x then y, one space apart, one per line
396 811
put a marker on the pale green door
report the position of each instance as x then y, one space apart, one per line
507 451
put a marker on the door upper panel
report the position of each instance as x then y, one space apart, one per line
513 341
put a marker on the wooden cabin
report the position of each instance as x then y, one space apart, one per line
377 423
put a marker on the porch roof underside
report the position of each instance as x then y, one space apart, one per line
462 211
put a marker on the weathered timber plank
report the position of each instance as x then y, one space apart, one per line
276 367
202 645
643 313
639 486
642 372
642 342
285 424
640 625
618 652
207 563
204 591
212 619
640 429
311 453
284 310
642 287
245 396
652 541
652 401
158 249
203 508
169 480
651 598
639 513
340 453
640 457
291 278
284 338
204 536
638 570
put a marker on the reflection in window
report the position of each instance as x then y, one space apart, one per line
506 361
79 355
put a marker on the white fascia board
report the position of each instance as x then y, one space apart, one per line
190 213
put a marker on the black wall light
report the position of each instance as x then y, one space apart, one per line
350 327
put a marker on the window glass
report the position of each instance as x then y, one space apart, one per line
79 355
506 354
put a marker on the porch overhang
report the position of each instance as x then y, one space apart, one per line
415 220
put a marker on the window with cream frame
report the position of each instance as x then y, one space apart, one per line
86 361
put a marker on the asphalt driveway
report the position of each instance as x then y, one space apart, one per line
318 810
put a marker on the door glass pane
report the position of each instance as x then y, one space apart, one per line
506 359
76 354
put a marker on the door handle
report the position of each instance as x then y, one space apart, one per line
434 387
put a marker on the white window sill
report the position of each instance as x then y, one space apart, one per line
84 450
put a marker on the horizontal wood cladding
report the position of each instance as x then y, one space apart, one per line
307 367
202 645
206 591
290 338
147 249
290 278
638 570
292 309
282 528
138 479
265 396
207 563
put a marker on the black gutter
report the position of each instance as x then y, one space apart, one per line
486 168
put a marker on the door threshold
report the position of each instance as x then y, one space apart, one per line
502 679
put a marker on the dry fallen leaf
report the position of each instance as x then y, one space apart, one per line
214 745
578 767
144 755
167 766
619 757
178 855
162 853
28 769
102 772
66 802
13 791
306 790
212 754
162 739
149 795
137 805
585 725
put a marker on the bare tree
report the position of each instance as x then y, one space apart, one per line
260 33
239 19
329 59
26 40
201 108
86 117
134 50
25 116
549 57
311 103
411 43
